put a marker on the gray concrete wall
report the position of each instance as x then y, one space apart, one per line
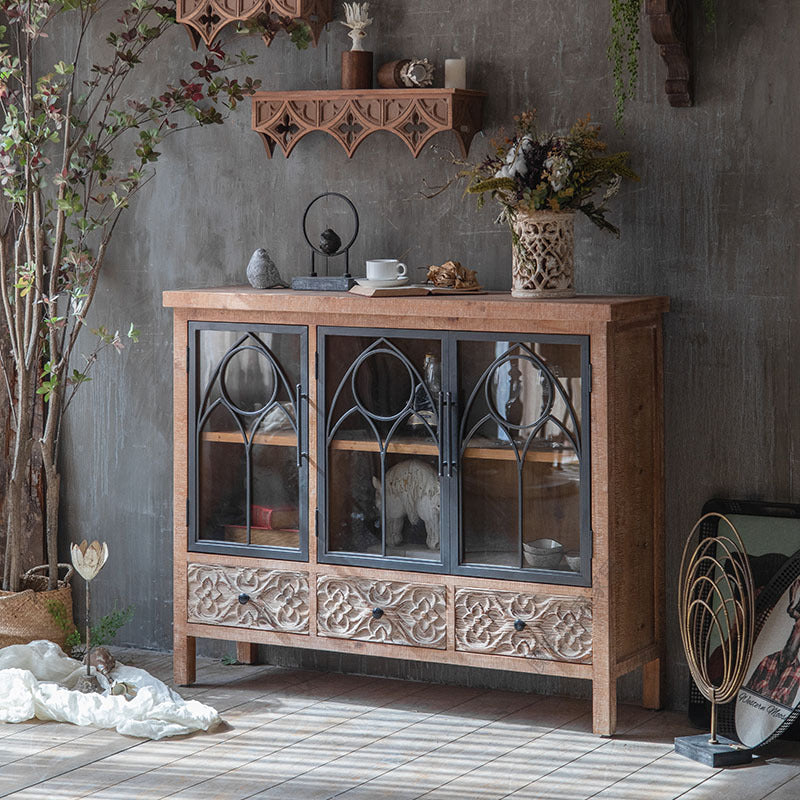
713 224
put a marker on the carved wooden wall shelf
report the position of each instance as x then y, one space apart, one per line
204 19
415 115
670 26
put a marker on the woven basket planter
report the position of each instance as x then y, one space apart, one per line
25 615
543 254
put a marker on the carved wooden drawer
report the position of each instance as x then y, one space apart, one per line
248 597
389 612
525 625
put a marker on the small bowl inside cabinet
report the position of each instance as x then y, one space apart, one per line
543 553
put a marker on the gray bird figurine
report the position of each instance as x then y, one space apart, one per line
262 272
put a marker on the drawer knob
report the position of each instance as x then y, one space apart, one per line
377 613
519 625
244 598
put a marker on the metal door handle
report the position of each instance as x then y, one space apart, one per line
451 462
443 462
298 399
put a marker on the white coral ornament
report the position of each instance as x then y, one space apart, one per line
417 73
357 19
88 559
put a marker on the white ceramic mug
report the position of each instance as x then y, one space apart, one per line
386 269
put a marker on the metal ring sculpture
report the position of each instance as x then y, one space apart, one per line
315 251
716 603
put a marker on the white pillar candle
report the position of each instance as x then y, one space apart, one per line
455 73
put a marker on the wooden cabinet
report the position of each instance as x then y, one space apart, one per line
475 481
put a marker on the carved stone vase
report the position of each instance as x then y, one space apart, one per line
543 254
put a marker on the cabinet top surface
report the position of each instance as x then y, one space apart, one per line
499 306
391 93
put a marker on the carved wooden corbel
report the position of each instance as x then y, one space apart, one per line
671 29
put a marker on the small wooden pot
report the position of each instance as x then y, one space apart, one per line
356 69
389 76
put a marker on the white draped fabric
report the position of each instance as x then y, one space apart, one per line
37 680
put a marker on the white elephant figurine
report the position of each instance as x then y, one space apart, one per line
278 418
412 490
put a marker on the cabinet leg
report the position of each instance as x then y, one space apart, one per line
604 707
246 653
184 660
652 676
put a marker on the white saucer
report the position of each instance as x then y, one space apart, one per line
382 284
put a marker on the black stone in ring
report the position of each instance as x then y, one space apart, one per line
355 232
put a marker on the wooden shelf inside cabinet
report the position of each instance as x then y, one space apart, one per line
486 449
480 448
277 439
415 115
205 19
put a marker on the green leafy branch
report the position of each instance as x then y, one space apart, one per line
623 49
623 52
102 633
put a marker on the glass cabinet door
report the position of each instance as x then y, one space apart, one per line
382 494
523 458
248 454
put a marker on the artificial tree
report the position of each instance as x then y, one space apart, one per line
75 149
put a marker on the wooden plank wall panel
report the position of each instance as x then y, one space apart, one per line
634 499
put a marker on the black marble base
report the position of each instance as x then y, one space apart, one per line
726 753
323 283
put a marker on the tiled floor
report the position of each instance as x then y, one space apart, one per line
297 735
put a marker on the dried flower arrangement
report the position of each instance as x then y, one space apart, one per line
452 275
535 171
